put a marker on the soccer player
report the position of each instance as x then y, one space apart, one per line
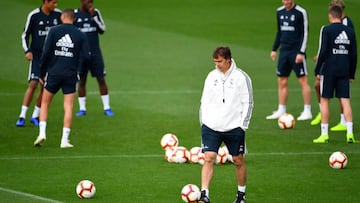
65 48
37 26
335 68
89 21
225 112
341 126
291 37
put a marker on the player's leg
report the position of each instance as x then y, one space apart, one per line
210 144
105 98
349 119
341 126
306 93
36 113
82 94
45 103
68 108
28 96
317 119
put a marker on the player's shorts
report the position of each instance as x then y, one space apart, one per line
95 65
331 84
233 139
66 83
34 67
287 63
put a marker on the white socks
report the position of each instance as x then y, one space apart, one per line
23 111
42 128
65 135
324 128
106 101
82 103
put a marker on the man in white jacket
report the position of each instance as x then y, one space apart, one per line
225 112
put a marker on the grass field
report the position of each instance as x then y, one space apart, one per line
157 54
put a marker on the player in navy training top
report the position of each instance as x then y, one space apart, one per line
37 25
335 68
89 21
291 37
341 126
65 49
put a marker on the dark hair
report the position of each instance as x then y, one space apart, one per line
335 11
69 13
222 51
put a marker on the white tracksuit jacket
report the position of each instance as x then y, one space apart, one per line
227 100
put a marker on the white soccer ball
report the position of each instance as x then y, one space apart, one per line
201 158
338 160
190 193
180 154
169 140
229 156
85 189
169 155
222 156
194 155
286 121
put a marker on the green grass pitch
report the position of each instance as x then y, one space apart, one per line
157 54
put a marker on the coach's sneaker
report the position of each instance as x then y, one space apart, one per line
275 115
108 112
34 121
324 138
240 197
81 113
338 127
67 144
305 115
350 138
316 120
20 122
204 198
39 140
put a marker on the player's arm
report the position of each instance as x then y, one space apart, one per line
322 51
25 38
353 58
99 21
276 44
46 53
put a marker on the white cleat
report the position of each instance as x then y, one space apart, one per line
66 145
39 140
275 115
304 116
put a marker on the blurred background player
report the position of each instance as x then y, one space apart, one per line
89 21
225 118
341 126
291 37
335 68
37 26
64 50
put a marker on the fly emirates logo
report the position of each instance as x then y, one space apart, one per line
342 39
65 44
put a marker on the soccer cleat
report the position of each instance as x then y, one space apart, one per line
108 112
204 198
275 115
34 121
39 140
324 138
20 122
316 120
81 113
338 127
66 145
350 138
240 197
305 115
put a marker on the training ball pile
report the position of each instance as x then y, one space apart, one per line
286 121
190 193
338 160
85 189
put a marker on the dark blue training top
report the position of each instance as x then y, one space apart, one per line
65 49
292 29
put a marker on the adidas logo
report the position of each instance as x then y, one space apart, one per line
342 38
65 41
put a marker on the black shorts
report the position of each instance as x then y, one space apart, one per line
66 83
95 65
331 84
34 67
233 139
287 63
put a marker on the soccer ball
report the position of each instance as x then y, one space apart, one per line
201 158
190 193
194 155
338 160
180 155
286 121
85 189
169 154
169 140
222 156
